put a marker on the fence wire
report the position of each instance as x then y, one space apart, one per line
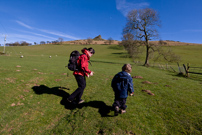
194 72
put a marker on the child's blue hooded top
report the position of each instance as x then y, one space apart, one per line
122 83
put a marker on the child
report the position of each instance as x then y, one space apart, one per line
122 83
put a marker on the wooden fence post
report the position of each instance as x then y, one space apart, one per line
188 69
172 69
179 68
186 73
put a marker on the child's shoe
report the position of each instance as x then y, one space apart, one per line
116 111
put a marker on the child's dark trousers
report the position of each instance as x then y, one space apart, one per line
120 102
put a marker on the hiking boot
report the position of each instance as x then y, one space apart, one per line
123 111
116 111
80 101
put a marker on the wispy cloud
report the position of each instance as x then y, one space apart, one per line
23 37
37 34
124 7
24 25
60 34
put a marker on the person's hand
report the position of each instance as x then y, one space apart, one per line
91 74
131 94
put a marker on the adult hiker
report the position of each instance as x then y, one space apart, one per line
80 75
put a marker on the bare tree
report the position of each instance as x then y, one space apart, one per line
89 40
161 42
15 44
143 24
110 40
132 46
42 42
48 42
21 43
60 40
55 42
166 54
24 43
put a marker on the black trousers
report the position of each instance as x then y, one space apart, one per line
120 102
76 95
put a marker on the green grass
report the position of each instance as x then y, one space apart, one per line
187 54
176 107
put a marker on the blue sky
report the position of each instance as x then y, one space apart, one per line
47 20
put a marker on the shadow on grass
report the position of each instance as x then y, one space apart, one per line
58 91
103 109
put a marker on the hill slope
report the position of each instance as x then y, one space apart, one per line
34 91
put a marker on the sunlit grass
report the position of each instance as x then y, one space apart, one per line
175 107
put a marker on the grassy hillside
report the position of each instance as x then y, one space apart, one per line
34 90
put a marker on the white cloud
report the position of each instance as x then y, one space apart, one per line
58 34
47 31
24 37
37 34
124 7
24 25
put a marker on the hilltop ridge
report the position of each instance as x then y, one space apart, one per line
99 40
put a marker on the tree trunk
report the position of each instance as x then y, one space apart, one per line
147 51
147 56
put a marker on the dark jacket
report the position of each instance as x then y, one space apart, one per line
122 83
83 64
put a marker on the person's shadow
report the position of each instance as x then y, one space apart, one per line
103 109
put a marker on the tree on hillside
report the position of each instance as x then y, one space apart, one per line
143 24
42 42
89 40
24 43
131 46
167 55
110 40
21 43
56 42
60 40
14 44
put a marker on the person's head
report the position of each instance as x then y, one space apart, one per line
91 51
127 68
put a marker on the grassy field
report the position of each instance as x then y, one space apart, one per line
34 90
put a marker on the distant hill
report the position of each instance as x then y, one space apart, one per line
174 43
84 41
99 40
